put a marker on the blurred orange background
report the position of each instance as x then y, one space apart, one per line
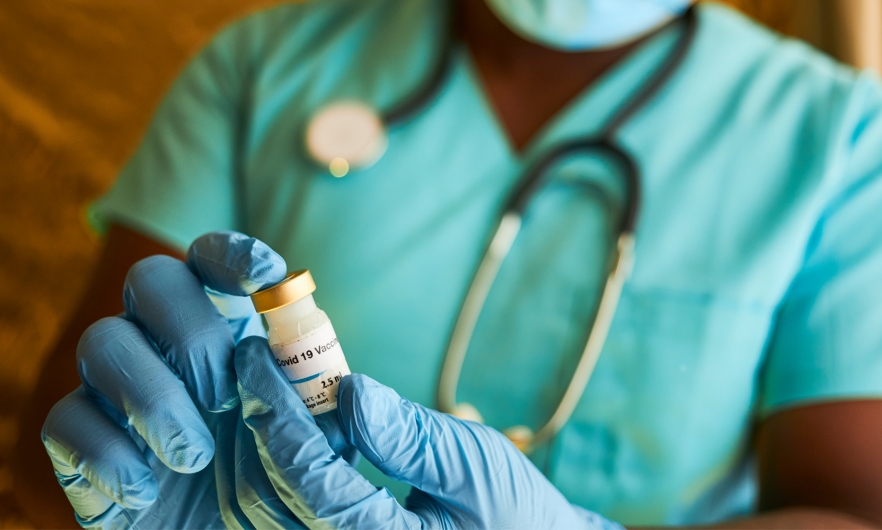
79 80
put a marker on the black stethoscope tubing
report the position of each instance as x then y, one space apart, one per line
429 88
534 178
601 142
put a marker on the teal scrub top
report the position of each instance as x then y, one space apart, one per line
758 255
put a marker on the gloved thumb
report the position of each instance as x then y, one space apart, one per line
263 385
235 264
437 453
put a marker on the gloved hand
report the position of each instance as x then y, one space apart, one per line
131 446
464 475
159 399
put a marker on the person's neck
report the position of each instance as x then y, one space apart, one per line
527 83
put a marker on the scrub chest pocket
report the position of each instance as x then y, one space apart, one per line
670 407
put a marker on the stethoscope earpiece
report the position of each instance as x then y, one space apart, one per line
346 135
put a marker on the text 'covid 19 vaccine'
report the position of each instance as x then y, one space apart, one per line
303 340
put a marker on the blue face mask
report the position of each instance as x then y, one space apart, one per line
585 24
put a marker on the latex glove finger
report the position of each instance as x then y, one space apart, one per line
470 470
330 426
169 302
235 264
256 497
224 427
120 368
434 452
317 485
98 464
240 314
255 494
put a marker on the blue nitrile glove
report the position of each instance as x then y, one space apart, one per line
132 445
464 475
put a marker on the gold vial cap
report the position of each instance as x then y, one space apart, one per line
295 286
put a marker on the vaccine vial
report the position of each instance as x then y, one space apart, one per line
303 340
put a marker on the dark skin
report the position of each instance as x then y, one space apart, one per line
527 84
818 464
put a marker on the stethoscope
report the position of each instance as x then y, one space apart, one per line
349 134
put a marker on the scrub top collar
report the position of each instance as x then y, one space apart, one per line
587 112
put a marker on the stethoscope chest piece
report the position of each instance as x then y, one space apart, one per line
346 135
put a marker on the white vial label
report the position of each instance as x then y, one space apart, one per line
314 365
